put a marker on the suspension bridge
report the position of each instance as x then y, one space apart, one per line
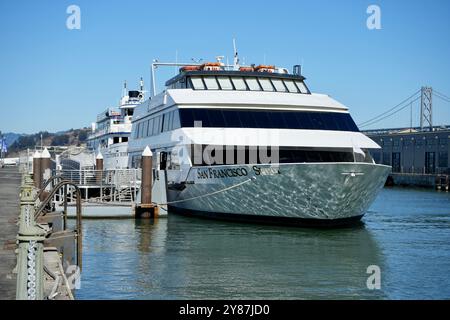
418 155
424 97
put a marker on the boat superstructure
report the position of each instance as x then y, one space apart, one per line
111 131
253 143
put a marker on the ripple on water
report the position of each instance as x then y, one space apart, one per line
405 232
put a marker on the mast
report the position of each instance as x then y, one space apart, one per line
236 57
124 92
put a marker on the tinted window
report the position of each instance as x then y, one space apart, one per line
176 120
156 126
231 119
216 118
201 115
150 127
285 155
268 119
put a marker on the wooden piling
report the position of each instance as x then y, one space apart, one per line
46 171
37 173
99 168
146 209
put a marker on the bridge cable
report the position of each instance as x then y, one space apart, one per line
365 123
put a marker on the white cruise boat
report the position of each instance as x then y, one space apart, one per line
254 144
111 131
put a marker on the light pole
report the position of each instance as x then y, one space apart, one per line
1 145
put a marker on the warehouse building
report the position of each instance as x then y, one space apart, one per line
413 150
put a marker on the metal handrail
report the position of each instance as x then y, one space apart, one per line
46 184
46 201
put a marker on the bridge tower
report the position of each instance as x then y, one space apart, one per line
426 108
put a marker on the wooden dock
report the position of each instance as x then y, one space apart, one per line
10 180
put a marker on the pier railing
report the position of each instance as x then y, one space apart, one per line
45 244
116 185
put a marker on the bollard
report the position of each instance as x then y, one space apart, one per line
30 260
99 167
37 169
46 165
146 184
46 171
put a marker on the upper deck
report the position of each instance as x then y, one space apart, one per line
261 78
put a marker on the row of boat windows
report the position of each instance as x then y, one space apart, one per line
219 155
155 125
234 155
217 118
242 84
120 139
268 119
248 84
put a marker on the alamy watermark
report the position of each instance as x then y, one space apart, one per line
73 277
374 280
373 22
73 21
244 148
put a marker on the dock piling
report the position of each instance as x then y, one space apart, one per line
37 169
99 167
46 171
146 209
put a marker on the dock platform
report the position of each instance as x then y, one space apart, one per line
10 180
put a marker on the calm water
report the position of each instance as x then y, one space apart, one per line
406 233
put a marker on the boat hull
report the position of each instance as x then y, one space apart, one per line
306 193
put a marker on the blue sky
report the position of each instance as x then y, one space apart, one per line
54 79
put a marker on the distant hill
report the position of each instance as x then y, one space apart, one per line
11 137
72 137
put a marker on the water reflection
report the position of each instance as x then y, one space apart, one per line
179 257
406 233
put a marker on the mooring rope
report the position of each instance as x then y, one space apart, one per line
208 194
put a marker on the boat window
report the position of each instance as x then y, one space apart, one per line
141 129
301 86
176 120
239 83
278 84
136 131
144 128
155 126
253 84
124 139
116 140
169 122
150 127
211 83
197 83
265 84
291 86
223 118
225 83
231 118
164 122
